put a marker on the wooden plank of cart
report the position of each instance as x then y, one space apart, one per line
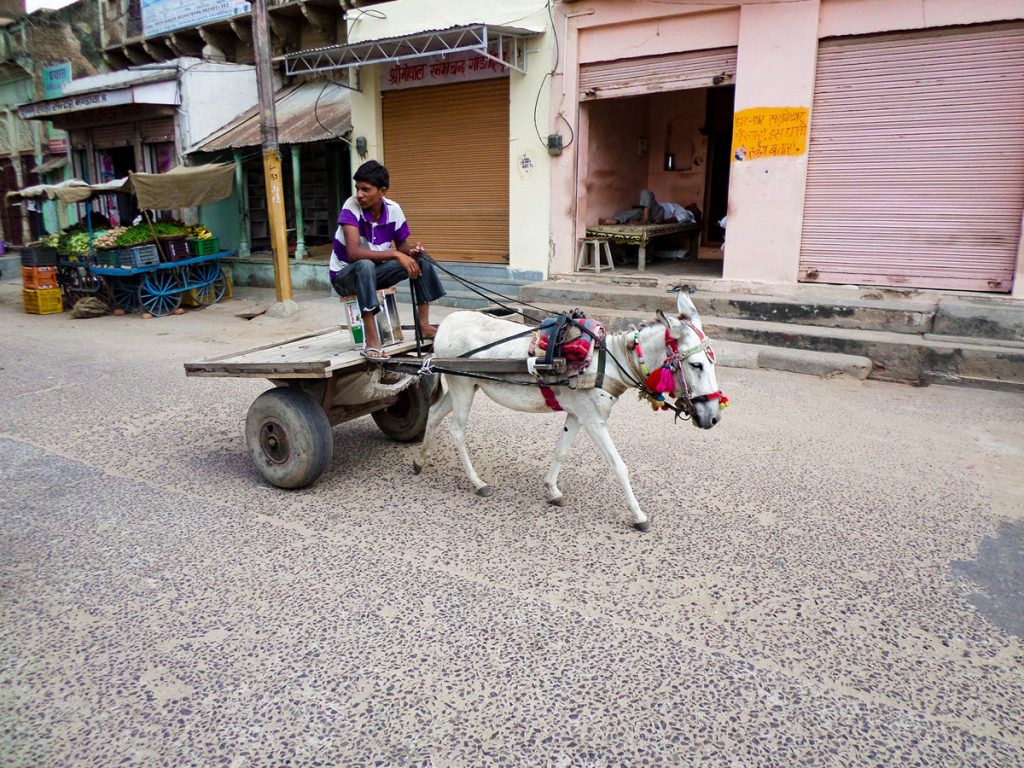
322 380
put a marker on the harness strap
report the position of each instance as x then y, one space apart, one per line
549 398
497 343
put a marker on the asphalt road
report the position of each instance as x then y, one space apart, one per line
834 575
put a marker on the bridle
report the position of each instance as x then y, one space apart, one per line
670 379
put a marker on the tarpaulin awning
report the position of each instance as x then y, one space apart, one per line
184 187
181 187
72 190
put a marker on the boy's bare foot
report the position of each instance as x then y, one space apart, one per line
428 331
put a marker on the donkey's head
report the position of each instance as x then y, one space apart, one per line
696 391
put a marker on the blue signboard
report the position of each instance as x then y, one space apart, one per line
162 16
55 77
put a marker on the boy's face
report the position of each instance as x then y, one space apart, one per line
367 195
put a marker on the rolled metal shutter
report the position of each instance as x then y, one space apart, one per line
649 74
112 136
447 149
915 174
157 131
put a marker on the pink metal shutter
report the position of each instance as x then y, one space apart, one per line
915 174
649 74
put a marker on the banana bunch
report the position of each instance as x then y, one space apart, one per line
199 232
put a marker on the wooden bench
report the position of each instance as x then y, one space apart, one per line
639 235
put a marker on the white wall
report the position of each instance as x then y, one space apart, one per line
212 95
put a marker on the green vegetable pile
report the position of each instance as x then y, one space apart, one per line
143 233
73 242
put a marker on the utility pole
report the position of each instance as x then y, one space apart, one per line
271 158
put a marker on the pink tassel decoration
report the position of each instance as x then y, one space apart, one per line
666 383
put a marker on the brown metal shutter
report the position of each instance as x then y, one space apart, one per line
915 175
110 136
671 72
447 149
157 131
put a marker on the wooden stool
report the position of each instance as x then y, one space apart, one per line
592 250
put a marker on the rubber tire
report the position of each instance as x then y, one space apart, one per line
290 411
406 420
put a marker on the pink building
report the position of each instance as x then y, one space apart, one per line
870 142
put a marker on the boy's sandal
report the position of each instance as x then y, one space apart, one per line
375 353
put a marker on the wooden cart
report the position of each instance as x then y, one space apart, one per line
320 380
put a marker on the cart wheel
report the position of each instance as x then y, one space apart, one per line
289 437
160 292
214 284
406 420
125 293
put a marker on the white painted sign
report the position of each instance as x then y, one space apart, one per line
76 103
162 16
435 70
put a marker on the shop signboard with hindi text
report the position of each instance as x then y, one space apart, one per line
162 16
438 70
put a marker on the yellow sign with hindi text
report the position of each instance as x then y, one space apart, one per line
763 132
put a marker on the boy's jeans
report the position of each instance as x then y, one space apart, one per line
364 277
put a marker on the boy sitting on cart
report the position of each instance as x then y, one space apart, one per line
372 250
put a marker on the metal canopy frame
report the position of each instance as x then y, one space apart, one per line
505 45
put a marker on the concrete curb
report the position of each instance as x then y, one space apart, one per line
735 354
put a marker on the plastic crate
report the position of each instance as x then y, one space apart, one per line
175 250
48 302
39 278
39 257
140 256
204 247
112 258
188 298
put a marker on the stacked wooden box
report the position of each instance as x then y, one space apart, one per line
41 292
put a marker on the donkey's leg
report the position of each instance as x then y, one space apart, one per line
598 431
438 411
461 393
572 426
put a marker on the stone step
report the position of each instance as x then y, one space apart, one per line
1001 319
895 356
913 317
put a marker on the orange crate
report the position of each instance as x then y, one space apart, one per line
48 302
39 278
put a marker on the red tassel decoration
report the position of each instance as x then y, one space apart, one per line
653 380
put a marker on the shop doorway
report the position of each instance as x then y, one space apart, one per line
718 126
676 144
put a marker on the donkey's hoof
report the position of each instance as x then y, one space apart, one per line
484 490
557 501
416 468
643 527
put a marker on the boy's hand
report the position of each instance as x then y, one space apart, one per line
409 264
416 251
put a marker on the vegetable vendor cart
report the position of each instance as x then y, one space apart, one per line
158 288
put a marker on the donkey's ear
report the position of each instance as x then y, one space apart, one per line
687 309
674 328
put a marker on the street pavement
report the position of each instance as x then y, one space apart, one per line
834 575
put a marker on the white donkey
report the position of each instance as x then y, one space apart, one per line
631 357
